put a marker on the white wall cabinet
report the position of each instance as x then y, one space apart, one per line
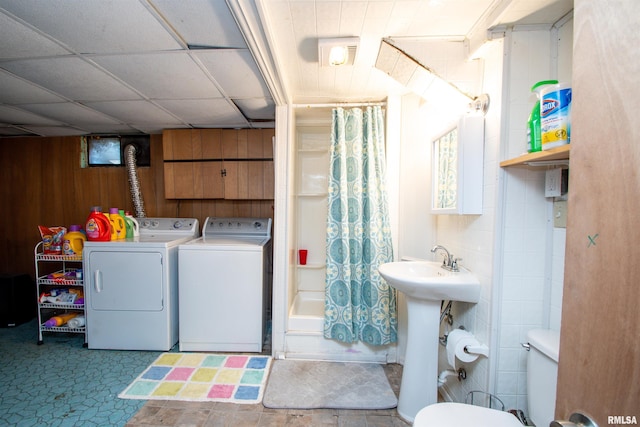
458 161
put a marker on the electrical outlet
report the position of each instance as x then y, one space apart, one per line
553 182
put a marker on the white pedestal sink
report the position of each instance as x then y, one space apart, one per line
425 284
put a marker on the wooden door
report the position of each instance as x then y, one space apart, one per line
599 366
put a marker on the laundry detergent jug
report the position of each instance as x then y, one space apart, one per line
73 241
118 228
98 226
133 229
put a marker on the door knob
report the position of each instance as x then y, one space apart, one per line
575 420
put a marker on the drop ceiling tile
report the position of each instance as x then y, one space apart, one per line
235 71
56 130
69 112
175 75
12 131
203 22
257 108
118 129
140 112
16 116
156 128
205 112
20 41
96 26
72 78
17 91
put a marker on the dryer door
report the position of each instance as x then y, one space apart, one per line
125 281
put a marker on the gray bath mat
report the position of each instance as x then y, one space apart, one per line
302 384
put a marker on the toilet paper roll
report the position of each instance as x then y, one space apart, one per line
456 342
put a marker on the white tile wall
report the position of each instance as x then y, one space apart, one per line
472 238
518 292
531 293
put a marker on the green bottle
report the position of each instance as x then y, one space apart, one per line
534 131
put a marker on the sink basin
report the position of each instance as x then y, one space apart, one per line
427 280
425 284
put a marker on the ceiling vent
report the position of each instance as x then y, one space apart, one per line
337 51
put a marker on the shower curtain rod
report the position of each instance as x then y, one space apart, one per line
342 104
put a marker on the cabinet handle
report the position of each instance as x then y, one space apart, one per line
97 281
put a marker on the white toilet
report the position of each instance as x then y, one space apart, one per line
542 375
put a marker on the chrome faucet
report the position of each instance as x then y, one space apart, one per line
449 262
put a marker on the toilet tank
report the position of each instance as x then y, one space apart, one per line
542 375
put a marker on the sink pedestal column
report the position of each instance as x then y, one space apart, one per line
419 386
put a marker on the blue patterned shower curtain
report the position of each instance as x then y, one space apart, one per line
359 305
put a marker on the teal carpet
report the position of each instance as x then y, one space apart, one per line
61 383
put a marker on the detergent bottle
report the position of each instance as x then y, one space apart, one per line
59 320
73 241
98 227
118 229
132 225
76 322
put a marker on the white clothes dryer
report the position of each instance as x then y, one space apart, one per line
131 292
225 286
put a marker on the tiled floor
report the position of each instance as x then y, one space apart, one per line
171 413
61 383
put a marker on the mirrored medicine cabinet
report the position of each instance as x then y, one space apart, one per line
457 164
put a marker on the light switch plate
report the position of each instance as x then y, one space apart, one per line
560 214
553 182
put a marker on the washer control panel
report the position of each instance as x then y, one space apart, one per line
218 226
168 225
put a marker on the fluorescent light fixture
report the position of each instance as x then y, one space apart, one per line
337 51
422 80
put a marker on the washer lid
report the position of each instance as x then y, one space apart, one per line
225 242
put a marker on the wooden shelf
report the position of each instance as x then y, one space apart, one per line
559 153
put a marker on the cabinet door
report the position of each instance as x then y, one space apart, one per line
192 169
210 141
177 144
193 180
252 180
248 155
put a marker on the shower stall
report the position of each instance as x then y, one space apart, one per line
302 299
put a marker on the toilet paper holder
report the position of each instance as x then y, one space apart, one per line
481 350
463 347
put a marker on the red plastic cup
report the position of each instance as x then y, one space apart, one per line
302 254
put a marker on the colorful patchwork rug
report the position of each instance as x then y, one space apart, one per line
202 377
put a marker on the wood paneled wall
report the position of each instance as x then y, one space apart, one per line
42 183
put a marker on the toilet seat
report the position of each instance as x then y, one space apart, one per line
449 414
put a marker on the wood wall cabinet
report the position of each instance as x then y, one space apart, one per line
232 164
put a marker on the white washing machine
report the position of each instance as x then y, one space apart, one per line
225 286
131 286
